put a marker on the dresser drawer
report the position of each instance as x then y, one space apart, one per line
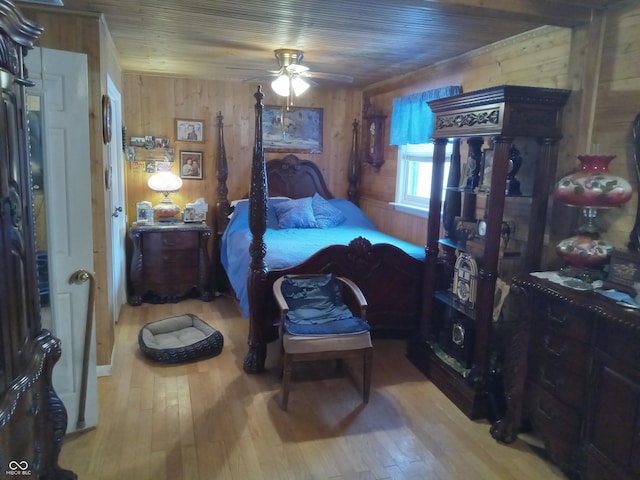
562 318
174 275
548 346
158 241
169 259
549 417
559 381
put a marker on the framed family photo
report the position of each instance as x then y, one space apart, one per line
191 165
293 129
189 130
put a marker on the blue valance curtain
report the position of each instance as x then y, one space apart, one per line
412 119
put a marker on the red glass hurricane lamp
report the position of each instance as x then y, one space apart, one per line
591 188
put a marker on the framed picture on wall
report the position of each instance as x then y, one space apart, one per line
293 129
191 165
189 130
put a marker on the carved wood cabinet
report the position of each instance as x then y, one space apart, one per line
473 244
33 420
572 377
169 262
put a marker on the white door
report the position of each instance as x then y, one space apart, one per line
117 288
62 82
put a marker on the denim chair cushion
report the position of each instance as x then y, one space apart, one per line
316 307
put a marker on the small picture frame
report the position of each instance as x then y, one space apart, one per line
131 154
163 166
624 272
137 141
189 131
189 215
144 213
191 165
487 169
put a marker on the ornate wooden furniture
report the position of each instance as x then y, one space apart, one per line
169 262
500 118
33 420
389 278
572 374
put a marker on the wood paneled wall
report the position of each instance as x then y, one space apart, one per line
152 104
617 104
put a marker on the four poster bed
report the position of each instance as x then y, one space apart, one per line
256 247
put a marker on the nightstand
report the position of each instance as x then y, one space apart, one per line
169 262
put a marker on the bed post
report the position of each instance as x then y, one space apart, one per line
354 167
255 358
223 208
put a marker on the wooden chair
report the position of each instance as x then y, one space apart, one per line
329 342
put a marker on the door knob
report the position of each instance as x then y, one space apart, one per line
116 212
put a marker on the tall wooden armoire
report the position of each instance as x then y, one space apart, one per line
33 420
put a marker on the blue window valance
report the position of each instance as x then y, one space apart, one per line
412 119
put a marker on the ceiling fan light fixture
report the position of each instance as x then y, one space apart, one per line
299 86
281 85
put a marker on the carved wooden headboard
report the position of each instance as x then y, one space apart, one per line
295 178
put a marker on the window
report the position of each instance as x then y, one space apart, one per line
413 184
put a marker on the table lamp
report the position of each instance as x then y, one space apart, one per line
591 188
165 182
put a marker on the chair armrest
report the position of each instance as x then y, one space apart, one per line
282 303
357 295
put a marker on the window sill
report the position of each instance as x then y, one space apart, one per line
412 209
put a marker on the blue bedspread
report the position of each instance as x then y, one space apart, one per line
288 247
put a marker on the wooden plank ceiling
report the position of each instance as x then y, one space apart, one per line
370 40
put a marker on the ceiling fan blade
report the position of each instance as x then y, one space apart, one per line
265 77
253 69
296 69
336 77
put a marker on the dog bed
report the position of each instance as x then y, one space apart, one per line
180 339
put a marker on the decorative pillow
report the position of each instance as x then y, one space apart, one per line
295 213
326 214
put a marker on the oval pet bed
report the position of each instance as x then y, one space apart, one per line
179 339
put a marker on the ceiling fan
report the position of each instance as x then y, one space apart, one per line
293 78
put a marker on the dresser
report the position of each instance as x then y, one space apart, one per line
572 377
169 262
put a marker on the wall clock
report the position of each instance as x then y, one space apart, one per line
374 137
465 279
106 118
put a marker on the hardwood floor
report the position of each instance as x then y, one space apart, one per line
210 420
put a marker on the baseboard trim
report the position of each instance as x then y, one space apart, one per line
103 370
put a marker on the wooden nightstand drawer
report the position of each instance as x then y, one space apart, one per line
171 259
163 241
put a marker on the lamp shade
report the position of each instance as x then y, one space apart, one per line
299 86
164 182
593 185
281 85
285 83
